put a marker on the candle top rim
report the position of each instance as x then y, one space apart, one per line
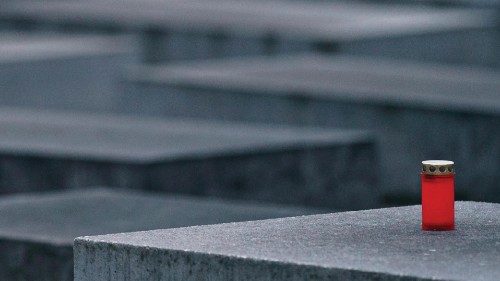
438 162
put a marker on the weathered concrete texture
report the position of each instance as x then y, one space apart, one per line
418 111
196 29
37 230
383 244
43 151
50 71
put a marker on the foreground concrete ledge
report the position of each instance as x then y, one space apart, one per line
37 230
42 150
383 244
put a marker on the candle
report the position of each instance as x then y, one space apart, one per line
438 195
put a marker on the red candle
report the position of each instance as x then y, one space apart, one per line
438 195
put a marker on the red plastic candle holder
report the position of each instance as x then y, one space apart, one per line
438 195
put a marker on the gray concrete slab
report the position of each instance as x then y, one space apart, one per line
61 71
43 150
495 4
418 110
37 230
195 29
383 244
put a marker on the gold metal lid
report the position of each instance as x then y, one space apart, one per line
438 167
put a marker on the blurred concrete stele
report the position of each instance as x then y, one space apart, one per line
61 71
37 230
383 244
194 29
446 3
417 110
41 150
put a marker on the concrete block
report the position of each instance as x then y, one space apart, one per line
447 3
417 110
172 29
37 230
383 244
63 72
45 150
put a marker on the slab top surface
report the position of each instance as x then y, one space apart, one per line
143 140
18 47
349 78
59 217
320 21
387 241
468 3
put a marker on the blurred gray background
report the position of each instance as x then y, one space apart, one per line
421 77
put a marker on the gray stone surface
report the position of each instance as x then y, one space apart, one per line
37 230
383 244
417 110
42 150
445 3
51 71
173 29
